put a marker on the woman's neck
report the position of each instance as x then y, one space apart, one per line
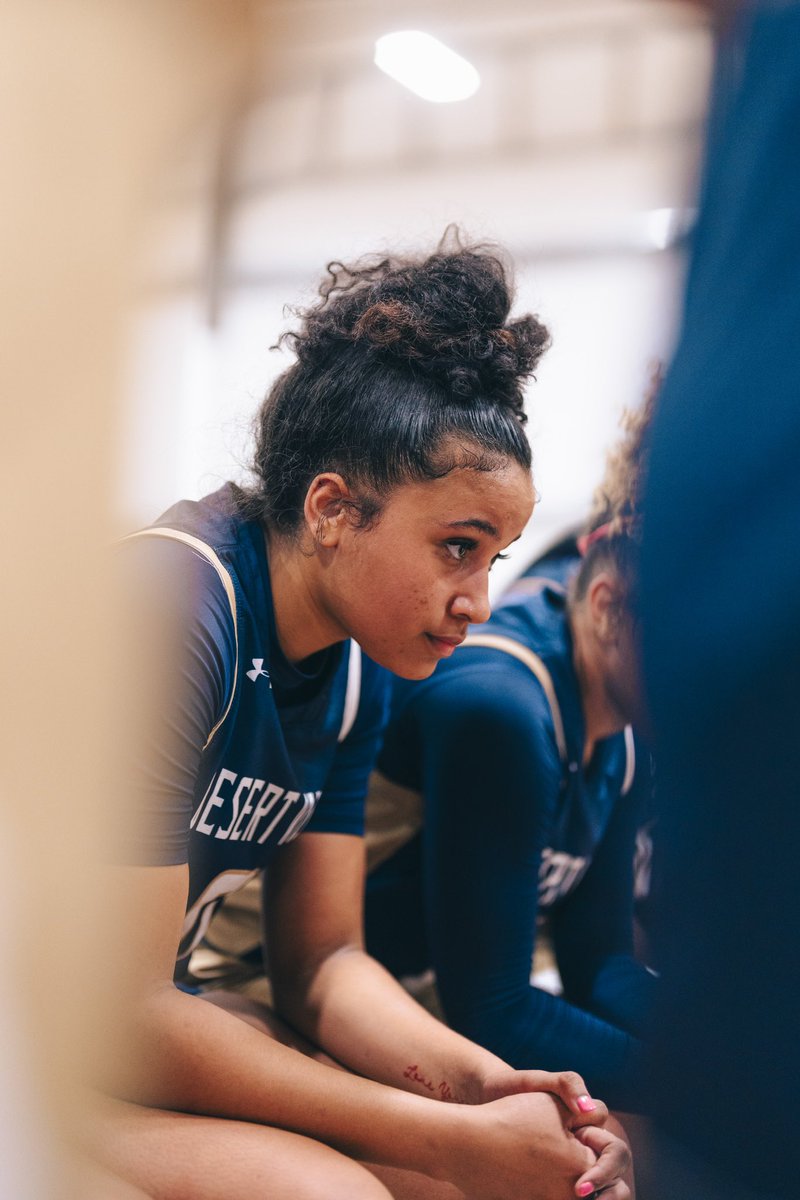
302 623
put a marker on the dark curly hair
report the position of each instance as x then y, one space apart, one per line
407 368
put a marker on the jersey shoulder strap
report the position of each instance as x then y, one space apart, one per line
497 641
210 555
525 655
353 691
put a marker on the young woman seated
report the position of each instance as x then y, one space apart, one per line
391 469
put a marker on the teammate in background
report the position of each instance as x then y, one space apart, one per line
521 748
391 470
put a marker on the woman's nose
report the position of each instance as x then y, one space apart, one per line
473 605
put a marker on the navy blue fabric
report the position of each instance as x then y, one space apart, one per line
557 564
275 766
720 603
510 833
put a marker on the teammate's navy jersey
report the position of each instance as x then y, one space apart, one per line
248 751
558 564
574 804
512 828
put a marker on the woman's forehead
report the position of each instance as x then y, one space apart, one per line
470 501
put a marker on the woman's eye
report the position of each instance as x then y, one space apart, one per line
498 558
459 550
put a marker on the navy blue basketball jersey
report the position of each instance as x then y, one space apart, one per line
252 749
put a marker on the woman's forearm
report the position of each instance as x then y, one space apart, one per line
359 1014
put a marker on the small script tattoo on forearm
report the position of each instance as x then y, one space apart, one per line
442 1090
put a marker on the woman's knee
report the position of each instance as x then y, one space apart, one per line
347 1180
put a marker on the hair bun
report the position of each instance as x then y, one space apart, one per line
445 316
407 369
385 323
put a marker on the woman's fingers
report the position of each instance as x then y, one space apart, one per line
613 1162
567 1085
573 1093
585 1116
617 1191
571 1089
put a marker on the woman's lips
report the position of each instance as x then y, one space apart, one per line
444 645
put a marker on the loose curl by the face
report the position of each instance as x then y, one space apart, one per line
406 370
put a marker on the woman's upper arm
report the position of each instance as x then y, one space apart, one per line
180 654
179 647
153 903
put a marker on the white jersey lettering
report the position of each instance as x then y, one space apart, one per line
257 809
558 874
244 783
247 808
214 800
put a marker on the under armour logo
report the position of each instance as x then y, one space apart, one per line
258 669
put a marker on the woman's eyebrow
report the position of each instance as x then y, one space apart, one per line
475 523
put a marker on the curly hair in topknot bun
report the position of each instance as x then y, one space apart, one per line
617 502
406 368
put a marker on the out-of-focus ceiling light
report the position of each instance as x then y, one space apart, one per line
662 226
426 66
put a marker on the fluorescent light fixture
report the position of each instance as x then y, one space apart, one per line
426 66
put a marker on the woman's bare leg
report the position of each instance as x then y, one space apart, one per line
87 1180
267 1021
181 1156
410 1185
178 1156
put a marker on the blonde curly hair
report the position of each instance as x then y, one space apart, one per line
614 528
617 502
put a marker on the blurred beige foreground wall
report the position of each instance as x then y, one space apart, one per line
93 93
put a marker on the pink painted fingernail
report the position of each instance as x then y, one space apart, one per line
586 1189
586 1104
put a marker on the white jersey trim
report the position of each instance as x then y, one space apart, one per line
352 696
205 905
630 760
205 551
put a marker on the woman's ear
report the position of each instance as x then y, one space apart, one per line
605 604
327 508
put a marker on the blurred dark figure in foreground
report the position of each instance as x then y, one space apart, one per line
721 627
